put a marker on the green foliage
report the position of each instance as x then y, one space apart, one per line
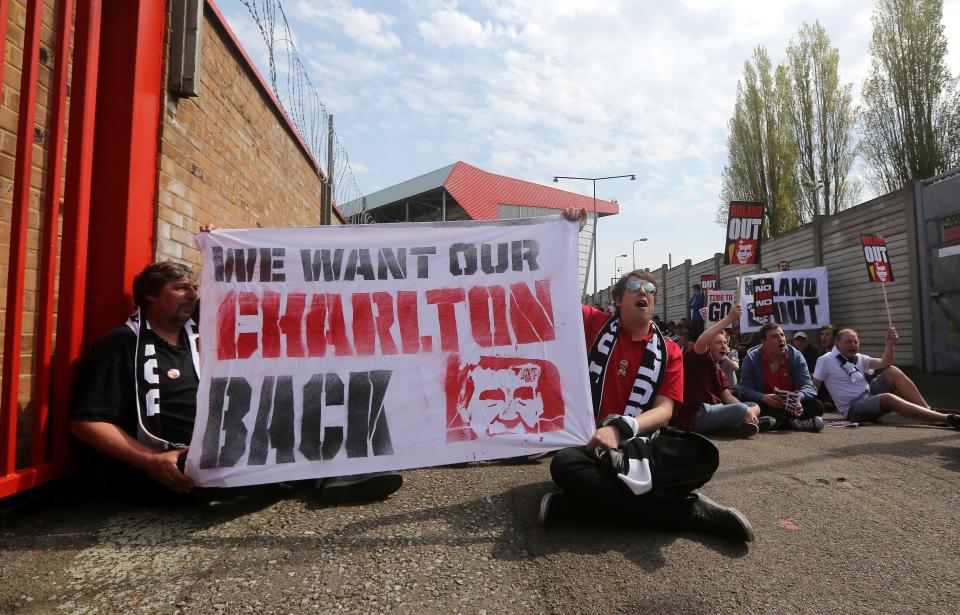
911 104
821 119
760 147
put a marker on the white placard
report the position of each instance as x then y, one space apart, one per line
800 298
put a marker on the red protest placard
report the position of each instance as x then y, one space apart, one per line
743 233
708 282
763 297
877 259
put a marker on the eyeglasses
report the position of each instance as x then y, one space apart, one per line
634 286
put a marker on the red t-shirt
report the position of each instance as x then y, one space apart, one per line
703 382
617 389
780 379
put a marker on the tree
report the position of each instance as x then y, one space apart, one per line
910 120
761 153
821 119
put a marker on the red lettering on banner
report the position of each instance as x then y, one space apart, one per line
288 324
481 300
227 327
496 319
532 319
444 299
247 342
409 321
316 326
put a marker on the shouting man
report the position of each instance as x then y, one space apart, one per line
636 378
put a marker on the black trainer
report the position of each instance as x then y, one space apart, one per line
953 420
359 488
555 506
708 517
767 423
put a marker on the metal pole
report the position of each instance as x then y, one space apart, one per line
634 251
326 214
594 243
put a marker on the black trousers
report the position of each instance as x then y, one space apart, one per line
811 407
596 490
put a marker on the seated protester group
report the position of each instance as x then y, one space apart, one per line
708 405
136 397
775 376
636 378
843 371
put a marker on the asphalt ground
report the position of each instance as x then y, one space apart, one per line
850 520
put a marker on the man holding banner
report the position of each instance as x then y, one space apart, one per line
775 376
636 379
137 396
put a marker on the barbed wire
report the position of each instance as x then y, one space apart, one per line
299 98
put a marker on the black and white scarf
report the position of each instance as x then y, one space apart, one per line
650 374
146 379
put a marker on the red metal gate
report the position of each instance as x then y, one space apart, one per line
63 239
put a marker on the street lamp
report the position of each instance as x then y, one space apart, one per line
615 259
556 179
635 251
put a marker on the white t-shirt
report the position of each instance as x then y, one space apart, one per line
844 380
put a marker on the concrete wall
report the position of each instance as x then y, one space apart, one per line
854 301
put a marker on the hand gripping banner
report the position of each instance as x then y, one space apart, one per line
348 349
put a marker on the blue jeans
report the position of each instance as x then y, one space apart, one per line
713 418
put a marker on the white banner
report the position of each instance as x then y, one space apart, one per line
342 350
800 300
719 304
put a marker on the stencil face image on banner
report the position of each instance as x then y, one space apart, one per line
743 233
331 351
875 254
499 396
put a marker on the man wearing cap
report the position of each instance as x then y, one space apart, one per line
636 379
810 353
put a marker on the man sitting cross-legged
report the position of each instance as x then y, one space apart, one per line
843 371
708 405
636 376
774 365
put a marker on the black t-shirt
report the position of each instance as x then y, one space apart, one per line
105 388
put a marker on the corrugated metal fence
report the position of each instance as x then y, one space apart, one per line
833 242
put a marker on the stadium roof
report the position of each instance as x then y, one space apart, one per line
477 193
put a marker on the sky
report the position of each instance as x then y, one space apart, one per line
536 88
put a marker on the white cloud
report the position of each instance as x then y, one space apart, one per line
447 28
368 28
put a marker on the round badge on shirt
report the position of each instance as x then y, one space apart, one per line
173 373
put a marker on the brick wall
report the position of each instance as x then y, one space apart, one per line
228 156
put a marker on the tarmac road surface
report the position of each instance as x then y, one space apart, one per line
861 520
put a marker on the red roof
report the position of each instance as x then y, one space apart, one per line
479 193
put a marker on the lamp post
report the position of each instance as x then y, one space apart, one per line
556 179
634 250
615 259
